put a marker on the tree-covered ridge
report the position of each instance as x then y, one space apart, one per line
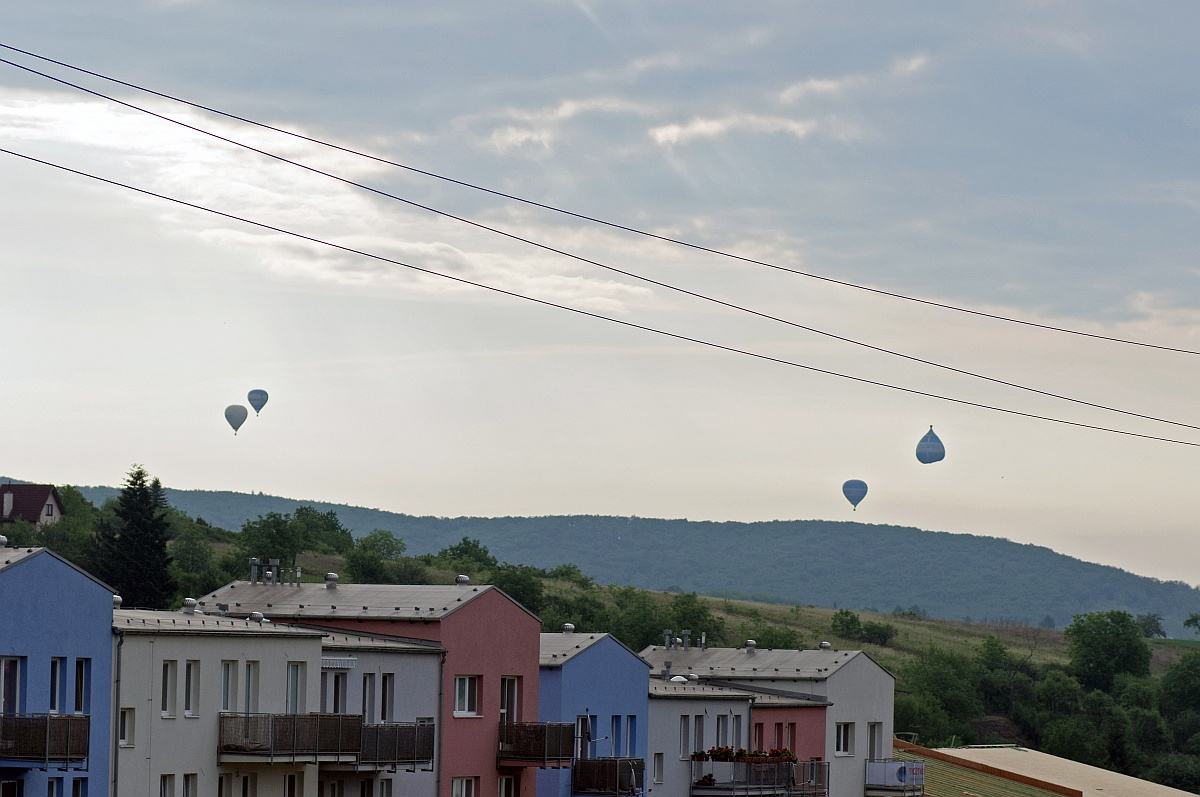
854 565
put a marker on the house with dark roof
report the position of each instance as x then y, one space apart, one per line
38 504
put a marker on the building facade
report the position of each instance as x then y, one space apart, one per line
687 718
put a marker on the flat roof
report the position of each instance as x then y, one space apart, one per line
694 690
146 621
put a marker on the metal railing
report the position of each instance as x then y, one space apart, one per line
291 735
45 737
537 741
397 743
807 778
896 776
615 776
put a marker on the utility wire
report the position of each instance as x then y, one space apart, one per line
605 222
589 261
597 316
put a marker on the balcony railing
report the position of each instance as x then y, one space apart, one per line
895 777
538 743
616 776
292 736
44 737
722 778
397 743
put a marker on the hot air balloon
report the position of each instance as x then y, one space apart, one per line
855 491
236 414
257 399
930 448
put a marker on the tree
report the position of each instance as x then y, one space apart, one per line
950 678
845 623
273 536
1177 771
469 553
193 565
1193 622
131 545
688 611
1075 738
1179 689
1103 644
372 559
1151 625
1059 692
322 532
522 583
877 633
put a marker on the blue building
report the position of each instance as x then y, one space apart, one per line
595 682
55 677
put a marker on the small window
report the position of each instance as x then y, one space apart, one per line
10 685
735 740
250 783
844 740
83 685
658 767
368 697
125 728
698 739
387 696
54 787
166 703
340 679
191 694
229 685
506 786
631 735
385 788
79 787
292 788
722 730
190 785
758 736
58 675
778 735
466 698
295 687
791 736
50 509
166 786
250 700
462 787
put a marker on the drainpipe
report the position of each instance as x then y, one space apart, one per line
441 723
116 730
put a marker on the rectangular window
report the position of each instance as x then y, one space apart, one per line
340 679
166 786
698 737
631 735
385 788
614 735
225 786
758 736
466 696
250 697
510 700
368 697
191 694
685 740
292 786
844 739
190 786
875 740
229 676
583 736
722 730
54 787
295 687
506 786
10 685
462 787
324 692
166 703
250 784
58 683
79 787
387 689
658 768
791 736
735 740
125 728
778 735
83 685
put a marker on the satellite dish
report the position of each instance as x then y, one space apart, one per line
855 491
236 415
257 399
930 448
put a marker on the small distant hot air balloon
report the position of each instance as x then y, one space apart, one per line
930 448
236 414
257 399
855 491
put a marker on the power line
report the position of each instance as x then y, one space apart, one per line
605 222
592 262
597 316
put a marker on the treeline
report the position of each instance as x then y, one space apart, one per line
1104 708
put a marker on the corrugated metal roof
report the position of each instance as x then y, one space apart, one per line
315 601
145 621
809 665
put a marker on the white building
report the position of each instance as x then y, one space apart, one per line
860 691
685 718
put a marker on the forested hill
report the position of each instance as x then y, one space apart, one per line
824 563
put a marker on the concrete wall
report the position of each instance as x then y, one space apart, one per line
810 728
53 610
663 738
603 681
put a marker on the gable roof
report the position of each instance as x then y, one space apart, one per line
147 621
11 557
559 648
28 500
743 663
347 640
358 601
693 690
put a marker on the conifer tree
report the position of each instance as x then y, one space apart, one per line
131 548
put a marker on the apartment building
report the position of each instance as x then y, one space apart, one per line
687 718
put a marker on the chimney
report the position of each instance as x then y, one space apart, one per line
253 569
273 569
750 646
568 628
666 669
687 638
116 601
667 634
331 580
8 504
189 605
462 580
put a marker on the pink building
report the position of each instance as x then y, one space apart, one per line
789 723
490 742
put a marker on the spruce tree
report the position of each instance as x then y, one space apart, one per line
131 545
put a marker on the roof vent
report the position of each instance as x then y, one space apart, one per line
568 628
189 605
824 645
679 679
116 601
751 645
462 579
270 576
256 617
3 541
223 609
331 580
253 569
691 676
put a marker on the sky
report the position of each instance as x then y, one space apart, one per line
1037 159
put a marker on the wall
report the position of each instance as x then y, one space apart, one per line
53 610
663 737
604 680
810 728
862 692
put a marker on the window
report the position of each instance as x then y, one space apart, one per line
758 736
125 728
250 703
366 788
340 680
631 734
722 730
57 683
368 697
54 787
324 691
698 737
295 687
875 740
387 688
657 769
229 677
685 743
10 685
791 736
583 736
79 787
462 787
466 699
225 786
506 786
191 695
736 741
190 787
778 735
510 705
250 783
83 683
50 509
385 788
166 786
166 703
844 739
292 786
614 736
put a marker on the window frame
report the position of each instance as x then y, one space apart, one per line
843 739
229 685
467 702
191 688
168 689
126 727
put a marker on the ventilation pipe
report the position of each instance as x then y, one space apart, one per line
703 640
666 669
667 634
253 569
750 646
461 579
824 646
568 628
116 601
687 638
189 605
331 580
273 568
3 541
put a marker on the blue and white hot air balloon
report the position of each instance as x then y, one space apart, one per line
257 399
855 491
930 448
236 415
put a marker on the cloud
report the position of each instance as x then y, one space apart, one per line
702 127
901 68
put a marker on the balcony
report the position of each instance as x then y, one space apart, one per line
44 738
614 776
729 778
894 777
392 743
307 738
536 744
